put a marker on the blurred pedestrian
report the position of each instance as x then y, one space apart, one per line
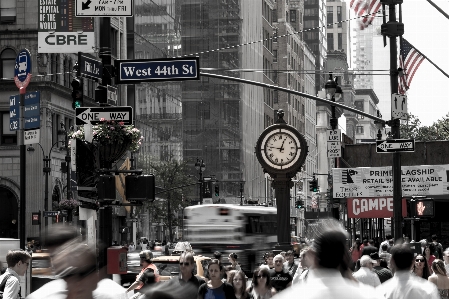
384 254
439 278
261 285
446 260
280 279
356 250
438 247
388 237
215 288
149 273
186 279
307 261
238 281
290 265
405 285
217 256
332 259
420 267
18 262
383 273
233 260
366 274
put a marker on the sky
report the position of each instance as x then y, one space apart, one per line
427 30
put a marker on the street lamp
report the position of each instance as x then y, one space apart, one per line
333 92
200 166
47 171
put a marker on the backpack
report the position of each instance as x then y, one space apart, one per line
3 284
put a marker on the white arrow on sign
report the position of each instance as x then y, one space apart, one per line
93 115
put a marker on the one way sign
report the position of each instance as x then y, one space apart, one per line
395 145
92 115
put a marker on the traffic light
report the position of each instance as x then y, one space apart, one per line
299 204
217 190
314 185
77 92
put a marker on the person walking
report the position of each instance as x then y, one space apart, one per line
290 265
446 260
438 246
385 242
18 262
332 262
384 254
366 274
280 279
307 261
149 273
233 260
420 267
439 278
382 272
215 288
405 285
238 281
356 250
261 286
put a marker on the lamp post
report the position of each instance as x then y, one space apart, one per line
241 193
200 166
333 92
68 158
47 171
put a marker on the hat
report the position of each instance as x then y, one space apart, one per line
365 260
374 256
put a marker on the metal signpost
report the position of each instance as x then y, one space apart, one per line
395 145
144 70
22 77
104 8
92 115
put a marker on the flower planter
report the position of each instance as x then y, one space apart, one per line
111 152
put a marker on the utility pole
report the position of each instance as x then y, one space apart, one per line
393 29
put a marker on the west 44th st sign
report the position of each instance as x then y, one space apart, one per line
395 145
93 115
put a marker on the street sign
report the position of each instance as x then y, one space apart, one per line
93 115
32 136
51 213
14 112
334 143
144 70
22 69
395 145
32 110
90 66
112 95
104 8
399 106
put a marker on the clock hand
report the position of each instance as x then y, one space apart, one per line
282 146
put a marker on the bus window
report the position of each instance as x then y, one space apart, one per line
264 224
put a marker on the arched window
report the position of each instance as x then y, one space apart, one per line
8 59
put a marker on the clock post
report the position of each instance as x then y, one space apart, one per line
282 150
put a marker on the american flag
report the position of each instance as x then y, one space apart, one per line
366 8
409 60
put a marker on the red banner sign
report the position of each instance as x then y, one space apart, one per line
376 207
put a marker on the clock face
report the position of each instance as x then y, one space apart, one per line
280 149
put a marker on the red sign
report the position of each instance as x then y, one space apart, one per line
376 207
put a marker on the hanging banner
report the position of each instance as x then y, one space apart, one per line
378 181
60 31
377 207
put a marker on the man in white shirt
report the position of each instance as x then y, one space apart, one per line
405 285
366 274
18 263
446 260
326 279
386 242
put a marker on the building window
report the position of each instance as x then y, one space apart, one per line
275 55
8 11
339 17
330 16
359 105
8 137
114 42
359 129
330 41
275 97
8 58
275 15
340 41
293 16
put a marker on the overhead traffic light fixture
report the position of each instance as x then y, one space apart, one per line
77 92
314 185
217 190
299 204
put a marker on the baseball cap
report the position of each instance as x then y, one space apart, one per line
374 256
366 259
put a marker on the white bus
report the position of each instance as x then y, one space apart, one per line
249 231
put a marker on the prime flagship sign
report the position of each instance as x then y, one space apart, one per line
378 181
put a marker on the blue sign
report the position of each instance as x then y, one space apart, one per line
22 69
32 115
32 109
14 112
143 70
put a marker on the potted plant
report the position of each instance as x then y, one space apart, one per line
69 204
112 139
